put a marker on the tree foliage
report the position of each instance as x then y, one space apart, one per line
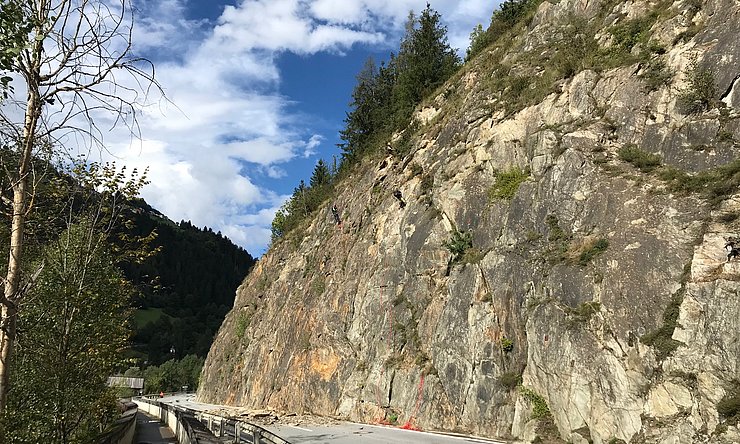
304 201
382 102
478 40
14 27
321 176
71 333
384 97
72 61
173 375
362 122
426 61
72 326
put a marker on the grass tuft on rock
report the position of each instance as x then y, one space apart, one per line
242 322
510 380
592 251
642 160
507 183
662 338
583 312
714 185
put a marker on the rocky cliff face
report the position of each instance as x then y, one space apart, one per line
592 300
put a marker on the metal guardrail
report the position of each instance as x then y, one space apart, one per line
237 431
187 429
203 428
197 431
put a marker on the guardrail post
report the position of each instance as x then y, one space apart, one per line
256 436
238 434
221 429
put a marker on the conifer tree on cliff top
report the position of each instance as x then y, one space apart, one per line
321 175
425 62
385 97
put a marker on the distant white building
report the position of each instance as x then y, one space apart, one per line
122 381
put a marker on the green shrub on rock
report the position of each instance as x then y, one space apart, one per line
642 160
662 338
507 183
540 409
729 406
459 244
701 93
510 380
507 345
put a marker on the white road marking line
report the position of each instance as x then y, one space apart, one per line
441 435
301 428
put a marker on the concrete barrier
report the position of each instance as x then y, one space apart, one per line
193 427
187 429
123 431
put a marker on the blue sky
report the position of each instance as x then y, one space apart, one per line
257 91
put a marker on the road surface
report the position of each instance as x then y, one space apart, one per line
351 433
342 432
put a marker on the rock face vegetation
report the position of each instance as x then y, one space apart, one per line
557 273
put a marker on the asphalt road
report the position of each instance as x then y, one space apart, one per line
350 433
342 433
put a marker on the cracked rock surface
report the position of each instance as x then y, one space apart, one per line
598 290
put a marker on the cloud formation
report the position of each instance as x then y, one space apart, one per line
227 130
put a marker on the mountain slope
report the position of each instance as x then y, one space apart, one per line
186 288
598 180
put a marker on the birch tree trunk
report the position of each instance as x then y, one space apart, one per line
12 293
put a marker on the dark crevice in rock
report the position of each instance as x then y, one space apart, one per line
730 87
390 387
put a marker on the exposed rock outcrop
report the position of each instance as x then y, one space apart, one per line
595 277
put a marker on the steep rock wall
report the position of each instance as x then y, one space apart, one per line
565 283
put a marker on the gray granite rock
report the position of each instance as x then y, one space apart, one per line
567 283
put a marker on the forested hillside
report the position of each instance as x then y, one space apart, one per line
186 288
181 290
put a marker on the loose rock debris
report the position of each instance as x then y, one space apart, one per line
268 417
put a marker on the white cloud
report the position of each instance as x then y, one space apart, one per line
254 238
282 25
159 21
339 11
261 151
312 144
274 172
227 121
